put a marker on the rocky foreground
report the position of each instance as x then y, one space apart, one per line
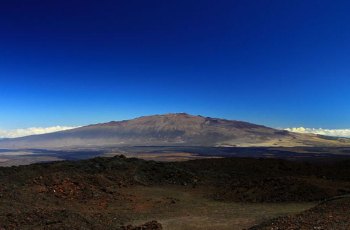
124 193
334 214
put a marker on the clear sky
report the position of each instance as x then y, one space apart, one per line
278 63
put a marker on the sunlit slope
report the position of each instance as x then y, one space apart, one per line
172 129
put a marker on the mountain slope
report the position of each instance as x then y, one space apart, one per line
171 129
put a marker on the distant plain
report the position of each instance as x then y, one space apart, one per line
172 153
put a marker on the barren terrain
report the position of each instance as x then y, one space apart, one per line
115 192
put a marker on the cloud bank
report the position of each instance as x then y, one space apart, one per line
32 131
12 133
326 132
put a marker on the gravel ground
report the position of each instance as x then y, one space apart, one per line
333 214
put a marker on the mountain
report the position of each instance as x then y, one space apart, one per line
172 129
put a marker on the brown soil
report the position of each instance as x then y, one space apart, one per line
108 193
152 225
329 215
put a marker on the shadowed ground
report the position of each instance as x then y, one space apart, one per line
107 193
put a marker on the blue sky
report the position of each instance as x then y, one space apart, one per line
277 63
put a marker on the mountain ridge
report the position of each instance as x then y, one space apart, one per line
171 129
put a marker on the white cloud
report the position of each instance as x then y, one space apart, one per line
326 132
32 131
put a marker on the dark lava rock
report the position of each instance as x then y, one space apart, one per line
152 225
333 214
